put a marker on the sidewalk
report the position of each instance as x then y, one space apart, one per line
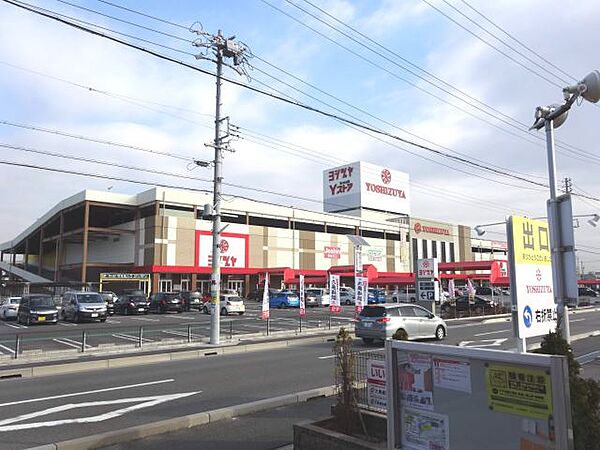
267 430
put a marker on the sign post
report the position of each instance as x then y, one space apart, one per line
427 288
532 292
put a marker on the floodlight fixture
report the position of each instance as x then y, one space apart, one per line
594 220
588 88
479 230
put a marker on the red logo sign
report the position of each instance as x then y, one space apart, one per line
332 252
386 176
223 246
433 230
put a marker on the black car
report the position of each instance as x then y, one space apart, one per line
464 303
163 302
131 304
37 308
191 300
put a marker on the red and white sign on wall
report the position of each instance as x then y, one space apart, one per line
332 252
233 249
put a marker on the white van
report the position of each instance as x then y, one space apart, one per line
321 294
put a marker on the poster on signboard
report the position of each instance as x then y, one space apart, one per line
452 373
424 430
416 381
376 392
519 390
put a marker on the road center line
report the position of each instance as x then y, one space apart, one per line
492 332
95 391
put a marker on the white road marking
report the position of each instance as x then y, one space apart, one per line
8 349
70 344
492 332
18 326
146 402
127 337
483 343
576 320
146 319
95 391
67 324
183 317
178 333
112 321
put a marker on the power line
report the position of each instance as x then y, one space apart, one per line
516 61
521 43
143 14
254 89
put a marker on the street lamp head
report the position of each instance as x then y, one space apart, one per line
588 88
542 114
479 230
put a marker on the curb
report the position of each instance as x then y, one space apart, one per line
128 361
185 422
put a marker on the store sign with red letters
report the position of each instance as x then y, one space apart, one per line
332 252
233 249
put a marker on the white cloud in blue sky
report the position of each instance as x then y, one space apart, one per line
567 37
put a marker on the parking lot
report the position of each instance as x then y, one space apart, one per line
155 328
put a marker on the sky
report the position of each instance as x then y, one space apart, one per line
437 73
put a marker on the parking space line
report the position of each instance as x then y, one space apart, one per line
70 344
8 349
146 319
67 324
184 317
576 320
492 332
127 337
112 321
17 326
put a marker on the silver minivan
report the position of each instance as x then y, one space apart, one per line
383 320
78 306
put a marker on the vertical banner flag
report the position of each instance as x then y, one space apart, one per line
264 315
365 291
334 294
470 288
360 293
302 304
451 289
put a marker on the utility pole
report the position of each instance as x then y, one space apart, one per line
221 48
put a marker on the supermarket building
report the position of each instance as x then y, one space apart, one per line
162 232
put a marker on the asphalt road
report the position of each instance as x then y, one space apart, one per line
40 410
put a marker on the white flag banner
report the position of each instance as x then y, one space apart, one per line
265 301
451 289
360 293
334 294
302 293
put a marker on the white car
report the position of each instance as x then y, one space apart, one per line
321 294
9 308
347 298
230 304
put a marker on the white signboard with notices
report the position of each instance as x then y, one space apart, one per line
376 393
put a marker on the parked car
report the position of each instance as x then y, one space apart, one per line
257 294
310 299
347 297
321 294
464 303
586 296
78 306
37 308
382 321
9 308
109 300
163 302
191 300
229 304
131 304
405 295
375 295
284 299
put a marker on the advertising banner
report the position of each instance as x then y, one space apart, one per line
264 314
361 285
416 381
334 294
302 300
233 249
332 252
531 277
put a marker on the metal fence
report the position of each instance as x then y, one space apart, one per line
364 394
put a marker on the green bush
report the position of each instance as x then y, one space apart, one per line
585 395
